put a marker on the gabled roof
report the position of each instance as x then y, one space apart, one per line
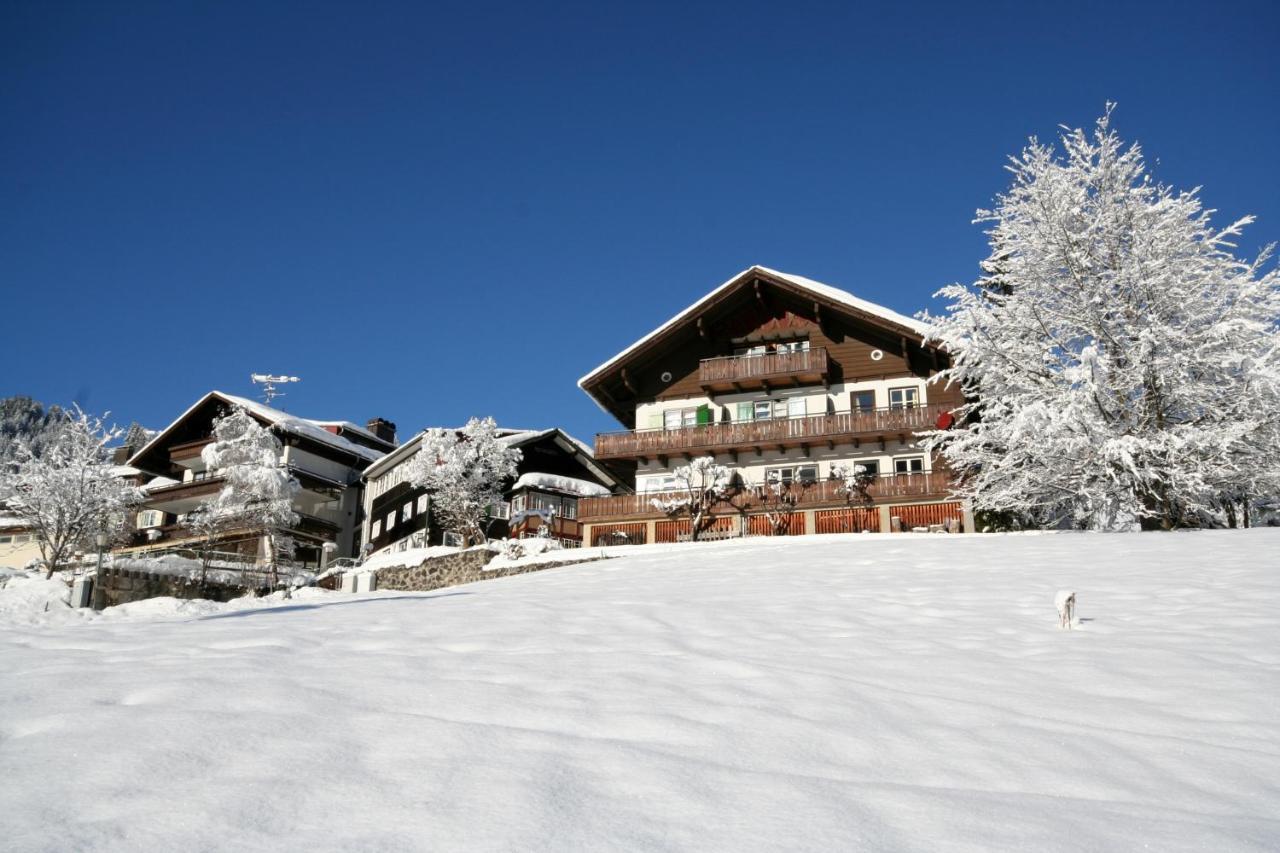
510 437
276 418
900 323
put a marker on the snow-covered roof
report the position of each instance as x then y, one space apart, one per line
13 522
509 437
283 420
826 291
159 483
557 483
348 426
125 471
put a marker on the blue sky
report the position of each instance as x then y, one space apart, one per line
430 211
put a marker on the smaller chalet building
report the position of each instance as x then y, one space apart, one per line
776 375
326 457
555 473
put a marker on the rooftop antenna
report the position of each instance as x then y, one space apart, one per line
269 382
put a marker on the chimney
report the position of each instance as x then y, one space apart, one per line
384 430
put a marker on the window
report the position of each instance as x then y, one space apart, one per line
5 540
764 409
683 418
407 512
794 346
863 401
150 518
391 519
376 530
908 465
422 504
453 540
904 398
793 473
871 466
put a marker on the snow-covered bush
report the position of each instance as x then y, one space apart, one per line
465 471
1121 362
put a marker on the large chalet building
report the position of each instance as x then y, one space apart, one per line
556 472
326 457
775 375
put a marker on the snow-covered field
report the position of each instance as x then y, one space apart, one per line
834 693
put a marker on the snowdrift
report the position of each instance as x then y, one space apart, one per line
827 693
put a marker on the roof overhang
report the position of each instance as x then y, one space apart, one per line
830 298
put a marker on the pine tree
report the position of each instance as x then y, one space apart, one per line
24 418
465 471
1121 360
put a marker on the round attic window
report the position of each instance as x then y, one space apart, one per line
666 376
876 354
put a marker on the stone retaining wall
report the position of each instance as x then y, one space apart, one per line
121 586
462 567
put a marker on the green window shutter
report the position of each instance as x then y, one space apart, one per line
704 414
745 411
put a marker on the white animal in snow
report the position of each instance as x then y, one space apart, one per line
1065 601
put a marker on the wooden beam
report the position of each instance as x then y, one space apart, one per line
804 451
759 294
733 454
626 380
817 314
702 330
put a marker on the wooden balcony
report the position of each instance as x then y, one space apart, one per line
823 493
765 370
777 433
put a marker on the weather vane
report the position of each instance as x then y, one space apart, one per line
269 382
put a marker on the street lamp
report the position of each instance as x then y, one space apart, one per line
101 541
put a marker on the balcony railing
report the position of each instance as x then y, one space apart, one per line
774 432
881 489
753 370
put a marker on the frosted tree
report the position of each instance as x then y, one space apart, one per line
258 491
24 418
465 471
1121 362
67 492
855 483
700 485
778 498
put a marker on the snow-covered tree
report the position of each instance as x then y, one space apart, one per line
855 483
465 470
701 484
67 492
1121 362
778 499
258 491
24 418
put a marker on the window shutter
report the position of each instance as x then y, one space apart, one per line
655 420
704 414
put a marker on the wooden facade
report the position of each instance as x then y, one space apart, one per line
738 356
